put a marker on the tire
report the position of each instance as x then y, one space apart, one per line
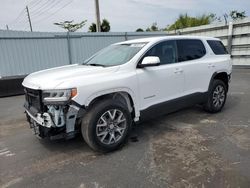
100 131
217 96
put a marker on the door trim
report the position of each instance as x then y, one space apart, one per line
173 105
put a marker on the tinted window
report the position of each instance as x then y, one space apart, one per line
166 51
217 47
190 49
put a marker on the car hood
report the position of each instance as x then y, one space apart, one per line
52 78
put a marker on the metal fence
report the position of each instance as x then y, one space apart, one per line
235 36
24 52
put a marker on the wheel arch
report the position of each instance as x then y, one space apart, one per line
219 76
126 96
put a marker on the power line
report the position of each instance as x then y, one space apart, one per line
54 12
21 21
22 18
20 14
45 8
45 4
30 2
34 3
39 11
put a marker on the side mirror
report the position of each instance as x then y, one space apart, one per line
149 61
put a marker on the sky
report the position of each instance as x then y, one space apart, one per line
123 15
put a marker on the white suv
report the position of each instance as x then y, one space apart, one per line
124 83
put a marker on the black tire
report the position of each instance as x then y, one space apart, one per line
90 129
211 105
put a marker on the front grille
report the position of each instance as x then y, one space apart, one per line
33 99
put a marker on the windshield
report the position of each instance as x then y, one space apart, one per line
115 54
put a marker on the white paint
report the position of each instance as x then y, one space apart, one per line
6 152
82 185
208 121
161 83
12 182
2 150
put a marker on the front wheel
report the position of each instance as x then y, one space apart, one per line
106 126
217 96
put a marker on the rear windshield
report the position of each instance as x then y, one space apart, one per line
217 47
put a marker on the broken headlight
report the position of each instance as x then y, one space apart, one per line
59 96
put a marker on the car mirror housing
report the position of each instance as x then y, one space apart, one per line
149 61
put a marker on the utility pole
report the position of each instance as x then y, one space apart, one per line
27 9
97 12
7 27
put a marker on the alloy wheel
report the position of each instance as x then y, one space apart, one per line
218 96
111 126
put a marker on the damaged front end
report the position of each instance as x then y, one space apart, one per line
52 113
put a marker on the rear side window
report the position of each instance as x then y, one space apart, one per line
217 47
190 49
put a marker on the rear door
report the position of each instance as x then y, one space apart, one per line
193 60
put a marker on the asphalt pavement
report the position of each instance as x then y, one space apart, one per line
189 148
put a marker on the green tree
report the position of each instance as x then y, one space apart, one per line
70 26
105 26
235 15
184 21
92 27
153 27
139 30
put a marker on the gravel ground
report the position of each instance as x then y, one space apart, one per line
189 148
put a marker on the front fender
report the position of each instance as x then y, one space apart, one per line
115 90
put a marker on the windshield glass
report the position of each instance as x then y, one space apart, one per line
115 54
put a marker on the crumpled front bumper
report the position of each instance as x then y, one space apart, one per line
43 124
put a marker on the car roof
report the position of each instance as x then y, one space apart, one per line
157 39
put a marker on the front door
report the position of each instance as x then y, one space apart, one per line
158 84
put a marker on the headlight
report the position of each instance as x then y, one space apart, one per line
58 96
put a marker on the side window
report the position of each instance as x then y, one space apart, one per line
217 47
190 49
166 51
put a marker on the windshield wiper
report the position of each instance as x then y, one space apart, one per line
95 64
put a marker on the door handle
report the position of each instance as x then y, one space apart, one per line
178 70
211 65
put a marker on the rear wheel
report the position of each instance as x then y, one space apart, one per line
216 97
106 126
